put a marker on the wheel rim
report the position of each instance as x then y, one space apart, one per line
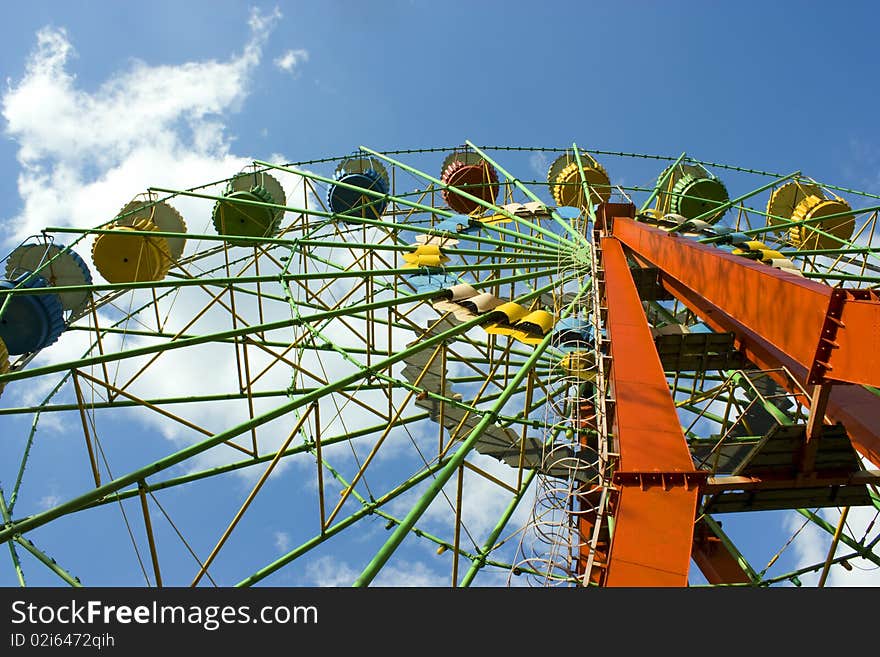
318 343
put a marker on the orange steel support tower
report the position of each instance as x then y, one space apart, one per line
834 341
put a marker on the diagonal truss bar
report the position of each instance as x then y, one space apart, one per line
566 225
661 183
23 525
455 461
657 499
835 336
490 206
254 328
856 407
490 416
724 207
718 558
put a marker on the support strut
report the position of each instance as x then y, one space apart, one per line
656 482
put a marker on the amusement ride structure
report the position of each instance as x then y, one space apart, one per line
632 370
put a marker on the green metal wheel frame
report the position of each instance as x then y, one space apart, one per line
317 324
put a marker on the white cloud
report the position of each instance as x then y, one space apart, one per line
84 154
812 546
282 541
278 158
49 501
539 163
327 571
292 60
483 500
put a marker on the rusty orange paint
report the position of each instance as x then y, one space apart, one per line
787 311
653 529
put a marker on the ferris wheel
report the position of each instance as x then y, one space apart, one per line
540 366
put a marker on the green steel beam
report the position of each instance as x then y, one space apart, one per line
163 401
805 570
479 560
585 188
862 551
847 251
841 277
48 561
16 563
724 207
254 328
369 509
776 413
788 224
566 226
661 182
444 475
475 199
31 522
225 281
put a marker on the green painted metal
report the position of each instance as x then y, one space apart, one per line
489 206
364 511
531 260
861 550
661 182
444 475
842 277
48 561
257 394
566 225
788 224
540 261
585 188
753 576
739 199
255 328
16 563
792 576
296 242
480 559
772 410
852 250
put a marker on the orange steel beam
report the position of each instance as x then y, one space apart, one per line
833 333
658 487
855 407
718 565
714 560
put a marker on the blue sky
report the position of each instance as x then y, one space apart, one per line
775 86
781 84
